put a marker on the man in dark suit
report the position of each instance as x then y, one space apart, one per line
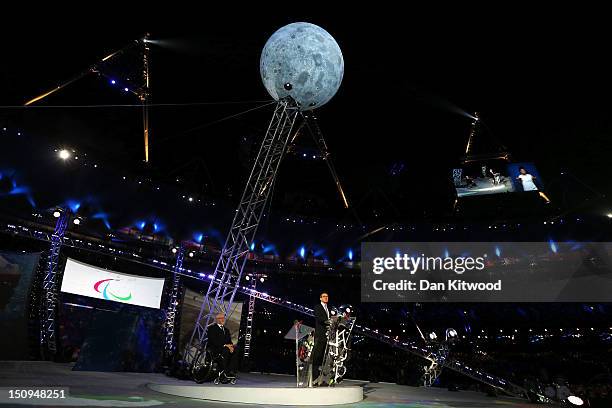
321 325
220 343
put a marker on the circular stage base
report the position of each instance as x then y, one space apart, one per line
264 395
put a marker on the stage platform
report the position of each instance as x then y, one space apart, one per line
266 390
118 389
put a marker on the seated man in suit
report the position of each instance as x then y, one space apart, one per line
220 343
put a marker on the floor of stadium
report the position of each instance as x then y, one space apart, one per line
120 389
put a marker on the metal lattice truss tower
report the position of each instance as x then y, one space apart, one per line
48 325
228 272
248 333
171 311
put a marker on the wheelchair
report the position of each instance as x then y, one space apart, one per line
207 367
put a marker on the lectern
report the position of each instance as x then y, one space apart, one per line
302 335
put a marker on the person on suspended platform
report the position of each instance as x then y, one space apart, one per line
528 182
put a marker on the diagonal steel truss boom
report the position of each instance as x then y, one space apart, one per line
228 272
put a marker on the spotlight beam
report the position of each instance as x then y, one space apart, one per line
58 88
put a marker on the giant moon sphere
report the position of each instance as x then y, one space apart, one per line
303 61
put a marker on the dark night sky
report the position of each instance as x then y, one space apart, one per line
541 83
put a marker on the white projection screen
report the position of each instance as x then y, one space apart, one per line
87 280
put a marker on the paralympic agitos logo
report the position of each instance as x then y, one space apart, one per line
106 291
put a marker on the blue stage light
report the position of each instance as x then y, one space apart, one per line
73 205
253 246
104 217
19 190
553 246
350 254
269 248
302 252
113 82
198 237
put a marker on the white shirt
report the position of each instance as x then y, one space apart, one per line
221 327
528 184
325 307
